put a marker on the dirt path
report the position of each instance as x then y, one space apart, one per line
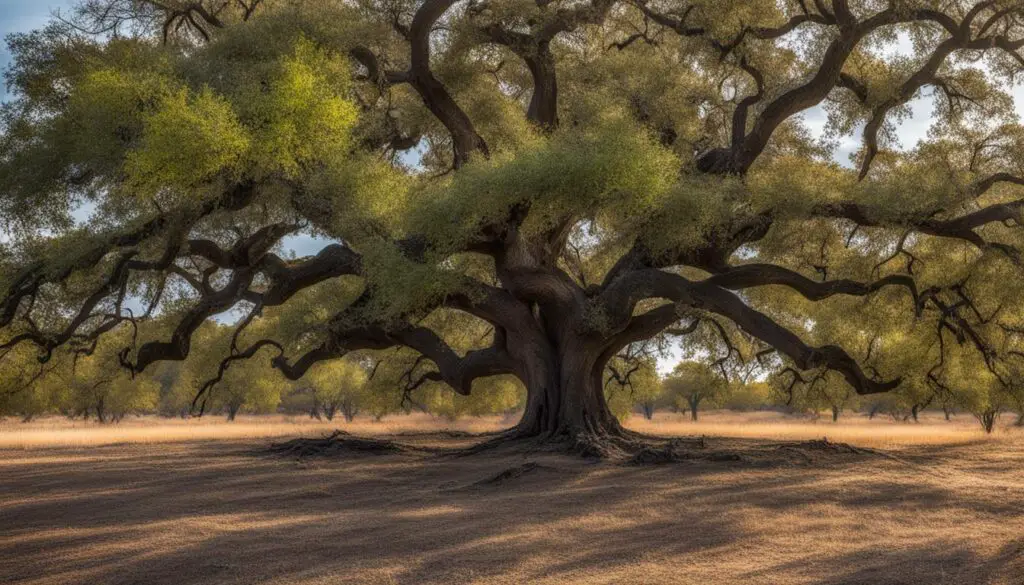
216 512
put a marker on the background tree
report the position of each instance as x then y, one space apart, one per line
339 386
692 385
754 395
979 392
27 389
574 177
822 393
633 382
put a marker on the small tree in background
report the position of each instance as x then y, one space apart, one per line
693 384
978 391
633 382
824 392
747 397
26 387
339 386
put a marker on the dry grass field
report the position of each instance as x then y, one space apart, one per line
202 502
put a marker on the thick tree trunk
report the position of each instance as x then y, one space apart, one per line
565 399
835 414
694 406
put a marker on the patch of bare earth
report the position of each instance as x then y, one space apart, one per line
748 511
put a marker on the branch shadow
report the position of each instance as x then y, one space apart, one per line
216 513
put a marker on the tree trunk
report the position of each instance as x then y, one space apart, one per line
233 411
694 406
648 409
988 420
1020 420
329 410
349 410
835 414
565 396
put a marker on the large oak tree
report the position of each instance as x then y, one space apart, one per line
563 178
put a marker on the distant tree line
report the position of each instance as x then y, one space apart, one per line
90 386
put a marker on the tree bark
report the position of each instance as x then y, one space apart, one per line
565 395
835 414
694 406
648 411
988 421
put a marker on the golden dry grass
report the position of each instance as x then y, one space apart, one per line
853 429
60 432
937 511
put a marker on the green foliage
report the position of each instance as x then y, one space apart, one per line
340 385
613 169
748 397
304 117
693 385
186 142
632 384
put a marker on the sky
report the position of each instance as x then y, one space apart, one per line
24 16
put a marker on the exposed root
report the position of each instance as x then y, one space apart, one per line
676 450
338 443
511 474
748 451
825 445
510 438
613 447
446 433
626 447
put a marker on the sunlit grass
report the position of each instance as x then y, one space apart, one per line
60 432
854 429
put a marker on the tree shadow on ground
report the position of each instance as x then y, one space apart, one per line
217 513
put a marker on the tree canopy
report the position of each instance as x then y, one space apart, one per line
520 188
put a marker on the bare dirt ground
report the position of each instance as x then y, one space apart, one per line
201 510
